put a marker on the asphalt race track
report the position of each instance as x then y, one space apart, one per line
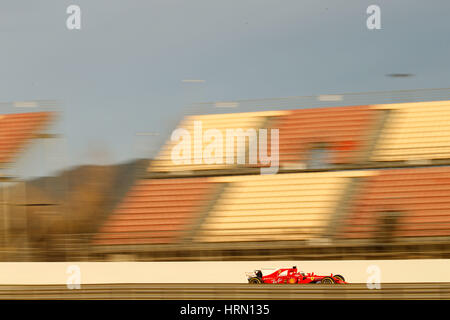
228 291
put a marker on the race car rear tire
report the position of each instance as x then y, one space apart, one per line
327 280
254 280
339 277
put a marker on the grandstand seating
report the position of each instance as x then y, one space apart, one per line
221 122
17 129
276 207
156 211
405 203
416 200
344 131
376 196
415 131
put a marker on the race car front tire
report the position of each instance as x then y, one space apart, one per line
339 277
327 280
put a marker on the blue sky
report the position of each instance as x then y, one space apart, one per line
122 73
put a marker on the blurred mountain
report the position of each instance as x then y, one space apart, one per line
43 212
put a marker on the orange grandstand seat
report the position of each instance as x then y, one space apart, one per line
17 129
419 198
156 211
344 131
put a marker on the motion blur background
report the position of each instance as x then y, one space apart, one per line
364 130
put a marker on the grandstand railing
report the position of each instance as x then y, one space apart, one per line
321 100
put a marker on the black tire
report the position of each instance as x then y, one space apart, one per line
327 280
254 280
339 277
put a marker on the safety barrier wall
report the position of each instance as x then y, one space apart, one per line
391 271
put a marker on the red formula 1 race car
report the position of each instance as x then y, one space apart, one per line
292 275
